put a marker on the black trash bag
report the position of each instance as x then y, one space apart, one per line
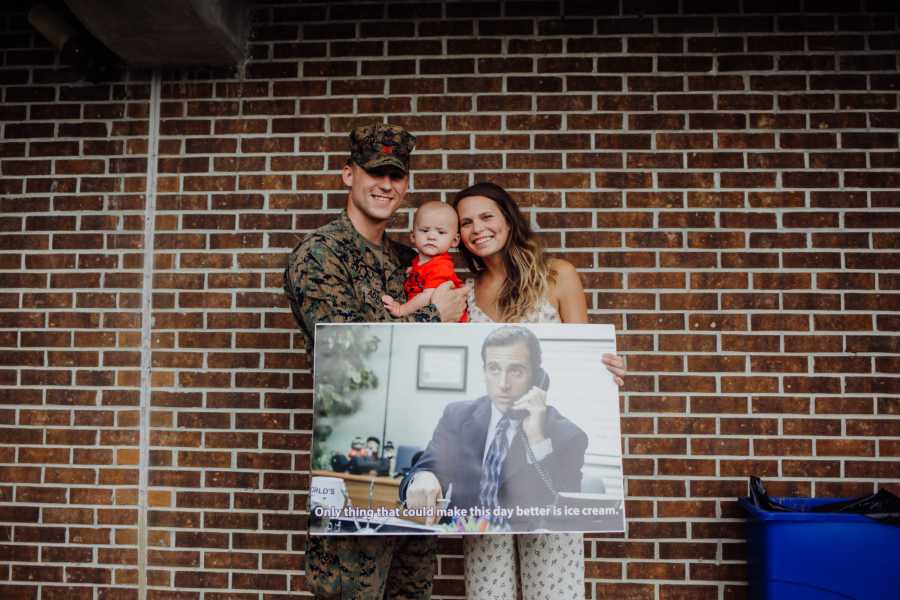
882 506
761 499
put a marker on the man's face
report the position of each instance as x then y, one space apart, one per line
372 445
376 194
508 373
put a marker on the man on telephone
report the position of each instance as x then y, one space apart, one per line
505 450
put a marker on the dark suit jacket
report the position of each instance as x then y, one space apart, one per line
456 451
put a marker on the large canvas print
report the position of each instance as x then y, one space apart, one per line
465 428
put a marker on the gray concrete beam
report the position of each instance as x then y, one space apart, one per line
168 32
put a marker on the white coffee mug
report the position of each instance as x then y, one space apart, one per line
329 492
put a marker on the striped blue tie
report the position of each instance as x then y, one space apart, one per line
493 465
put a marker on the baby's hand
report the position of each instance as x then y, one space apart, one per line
391 305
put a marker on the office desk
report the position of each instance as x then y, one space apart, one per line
385 490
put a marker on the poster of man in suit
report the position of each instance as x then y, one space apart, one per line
492 429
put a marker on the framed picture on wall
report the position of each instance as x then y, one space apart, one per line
442 368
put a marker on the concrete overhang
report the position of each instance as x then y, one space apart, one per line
168 32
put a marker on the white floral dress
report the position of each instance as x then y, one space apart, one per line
551 565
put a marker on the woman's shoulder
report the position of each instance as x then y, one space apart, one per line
564 274
566 279
567 293
561 267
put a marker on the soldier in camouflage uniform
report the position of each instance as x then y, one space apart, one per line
338 274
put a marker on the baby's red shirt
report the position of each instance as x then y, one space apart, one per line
430 275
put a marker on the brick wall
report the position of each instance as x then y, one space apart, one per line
725 180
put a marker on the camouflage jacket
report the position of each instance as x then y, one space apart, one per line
335 276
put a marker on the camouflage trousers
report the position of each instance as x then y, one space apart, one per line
370 567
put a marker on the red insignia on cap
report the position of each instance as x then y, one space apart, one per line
387 149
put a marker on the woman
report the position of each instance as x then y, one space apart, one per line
515 282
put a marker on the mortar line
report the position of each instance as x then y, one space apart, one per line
146 331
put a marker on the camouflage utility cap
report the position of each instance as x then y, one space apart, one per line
380 145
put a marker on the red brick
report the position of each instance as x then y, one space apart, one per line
690 301
674 383
199 579
685 467
654 530
713 321
37 573
20 474
179 558
720 280
689 343
843 406
731 301
889 448
656 121
660 570
780 322
842 448
705 364
782 447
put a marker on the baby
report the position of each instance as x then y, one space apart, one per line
435 231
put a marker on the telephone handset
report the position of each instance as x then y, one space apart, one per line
541 380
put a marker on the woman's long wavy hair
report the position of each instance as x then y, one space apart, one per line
528 274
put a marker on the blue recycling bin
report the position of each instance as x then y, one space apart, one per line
820 556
